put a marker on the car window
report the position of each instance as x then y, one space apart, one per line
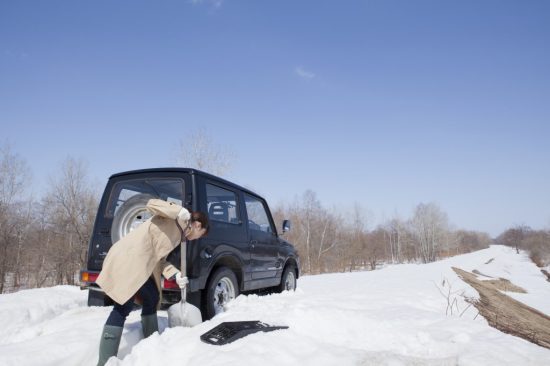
222 205
257 216
167 189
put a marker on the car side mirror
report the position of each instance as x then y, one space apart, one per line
286 226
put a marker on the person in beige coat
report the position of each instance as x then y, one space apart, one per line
134 265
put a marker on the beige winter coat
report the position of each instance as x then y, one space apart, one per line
142 253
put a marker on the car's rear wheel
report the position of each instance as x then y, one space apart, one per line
221 289
130 215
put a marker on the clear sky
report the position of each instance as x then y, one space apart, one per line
385 103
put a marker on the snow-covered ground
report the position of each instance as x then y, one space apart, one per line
394 316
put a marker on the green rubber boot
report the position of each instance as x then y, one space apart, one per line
110 340
149 324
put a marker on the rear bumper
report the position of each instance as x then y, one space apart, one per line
171 292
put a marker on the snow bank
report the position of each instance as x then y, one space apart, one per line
23 313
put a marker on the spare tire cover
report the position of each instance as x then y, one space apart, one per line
130 215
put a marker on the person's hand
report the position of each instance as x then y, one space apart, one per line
184 215
181 280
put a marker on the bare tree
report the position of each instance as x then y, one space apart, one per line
13 176
329 237
358 240
296 235
394 234
198 150
374 249
311 206
316 233
469 241
514 236
535 242
430 226
41 249
70 206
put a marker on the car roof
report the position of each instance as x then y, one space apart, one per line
183 170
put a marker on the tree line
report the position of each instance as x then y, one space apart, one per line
329 241
535 242
44 241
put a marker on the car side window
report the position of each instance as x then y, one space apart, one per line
222 205
257 215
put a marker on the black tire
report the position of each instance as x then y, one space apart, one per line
288 279
132 213
222 287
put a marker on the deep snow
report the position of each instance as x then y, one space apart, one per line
393 316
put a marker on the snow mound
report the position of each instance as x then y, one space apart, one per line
24 314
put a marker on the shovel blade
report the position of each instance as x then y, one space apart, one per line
183 314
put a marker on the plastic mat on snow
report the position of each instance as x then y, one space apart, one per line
228 332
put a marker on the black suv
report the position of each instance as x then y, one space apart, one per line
242 252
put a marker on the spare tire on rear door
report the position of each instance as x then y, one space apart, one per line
130 215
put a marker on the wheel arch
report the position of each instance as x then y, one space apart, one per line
231 262
292 262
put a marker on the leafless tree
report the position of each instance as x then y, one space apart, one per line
394 235
296 235
70 206
357 245
535 242
514 236
316 233
14 176
430 226
469 241
310 208
374 249
198 150
329 237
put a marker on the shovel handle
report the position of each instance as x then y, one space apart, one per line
184 293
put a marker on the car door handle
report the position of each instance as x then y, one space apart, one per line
253 243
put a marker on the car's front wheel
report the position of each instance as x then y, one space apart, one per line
222 288
288 279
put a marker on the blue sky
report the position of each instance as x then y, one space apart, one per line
384 103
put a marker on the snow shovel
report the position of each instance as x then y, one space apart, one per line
183 314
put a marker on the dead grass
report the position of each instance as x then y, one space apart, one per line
505 285
506 314
501 284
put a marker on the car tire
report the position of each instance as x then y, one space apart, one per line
222 287
288 279
131 214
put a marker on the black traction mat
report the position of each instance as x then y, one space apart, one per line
228 332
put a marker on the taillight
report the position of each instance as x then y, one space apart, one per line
89 276
170 284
